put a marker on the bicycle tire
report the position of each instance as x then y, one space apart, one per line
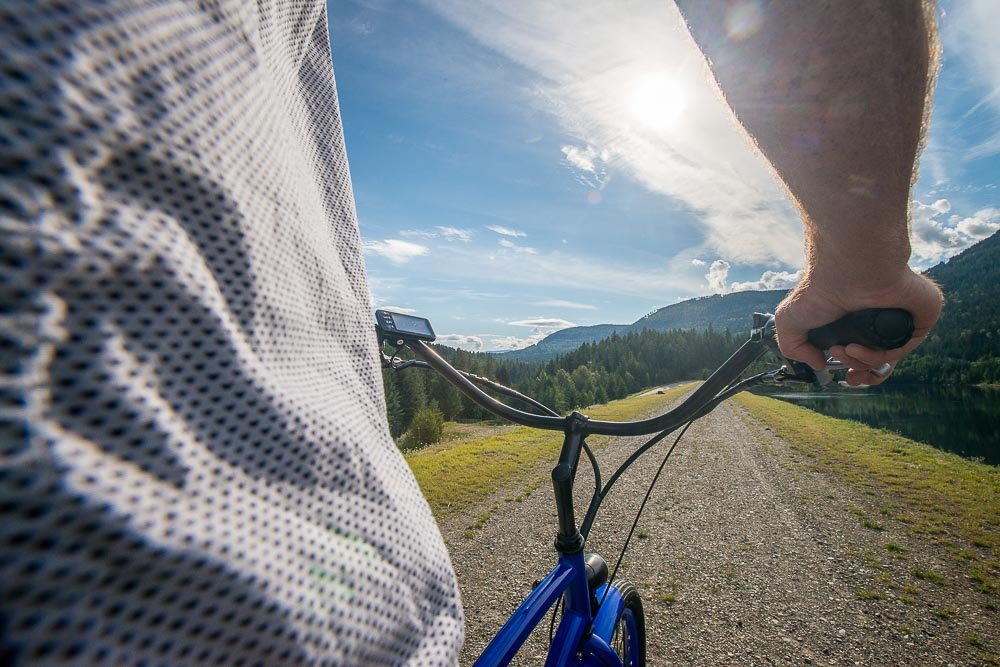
629 638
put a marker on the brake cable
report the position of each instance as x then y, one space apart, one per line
642 506
734 388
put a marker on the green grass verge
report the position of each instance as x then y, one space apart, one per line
951 501
454 475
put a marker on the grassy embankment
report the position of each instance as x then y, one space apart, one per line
459 471
950 501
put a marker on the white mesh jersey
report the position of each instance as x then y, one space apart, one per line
196 466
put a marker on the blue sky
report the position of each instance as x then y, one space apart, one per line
523 167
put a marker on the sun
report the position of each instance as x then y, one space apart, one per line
657 101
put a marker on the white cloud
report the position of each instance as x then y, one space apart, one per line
540 328
553 323
934 237
515 343
418 233
931 237
449 233
561 303
396 251
699 262
461 341
769 280
981 224
586 61
397 309
717 276
505 231
581 158
518 248
561 270
590 161
455 234
941 206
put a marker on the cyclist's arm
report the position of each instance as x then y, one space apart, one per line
836 96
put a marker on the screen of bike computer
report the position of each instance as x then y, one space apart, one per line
406 325
414 325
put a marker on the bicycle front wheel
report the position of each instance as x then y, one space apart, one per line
629 638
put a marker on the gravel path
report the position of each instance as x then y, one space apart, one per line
746 555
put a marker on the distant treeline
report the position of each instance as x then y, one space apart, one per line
594 373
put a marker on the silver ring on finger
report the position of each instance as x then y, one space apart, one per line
883 371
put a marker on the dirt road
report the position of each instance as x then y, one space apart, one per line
745 555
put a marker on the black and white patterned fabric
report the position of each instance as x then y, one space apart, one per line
196 466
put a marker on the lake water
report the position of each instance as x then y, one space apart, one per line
963 420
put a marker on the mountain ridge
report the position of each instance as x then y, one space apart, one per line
719 311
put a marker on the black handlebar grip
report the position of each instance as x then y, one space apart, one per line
875 328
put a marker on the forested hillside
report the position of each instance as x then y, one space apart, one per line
720 311
964 348
563 341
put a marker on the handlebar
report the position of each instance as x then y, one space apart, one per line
876 328
722 378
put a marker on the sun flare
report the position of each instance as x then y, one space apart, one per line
657 101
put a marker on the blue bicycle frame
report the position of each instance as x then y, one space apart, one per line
571 645
581 638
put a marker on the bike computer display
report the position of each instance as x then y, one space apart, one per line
404 326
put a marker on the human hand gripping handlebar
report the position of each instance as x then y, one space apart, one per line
874 328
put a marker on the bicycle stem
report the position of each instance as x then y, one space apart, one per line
568 539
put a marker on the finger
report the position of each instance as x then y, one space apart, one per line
874 358
848 361
839 353
804 352
792 341
927 307
857 377
871 358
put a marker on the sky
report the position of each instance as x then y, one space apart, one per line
522 167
